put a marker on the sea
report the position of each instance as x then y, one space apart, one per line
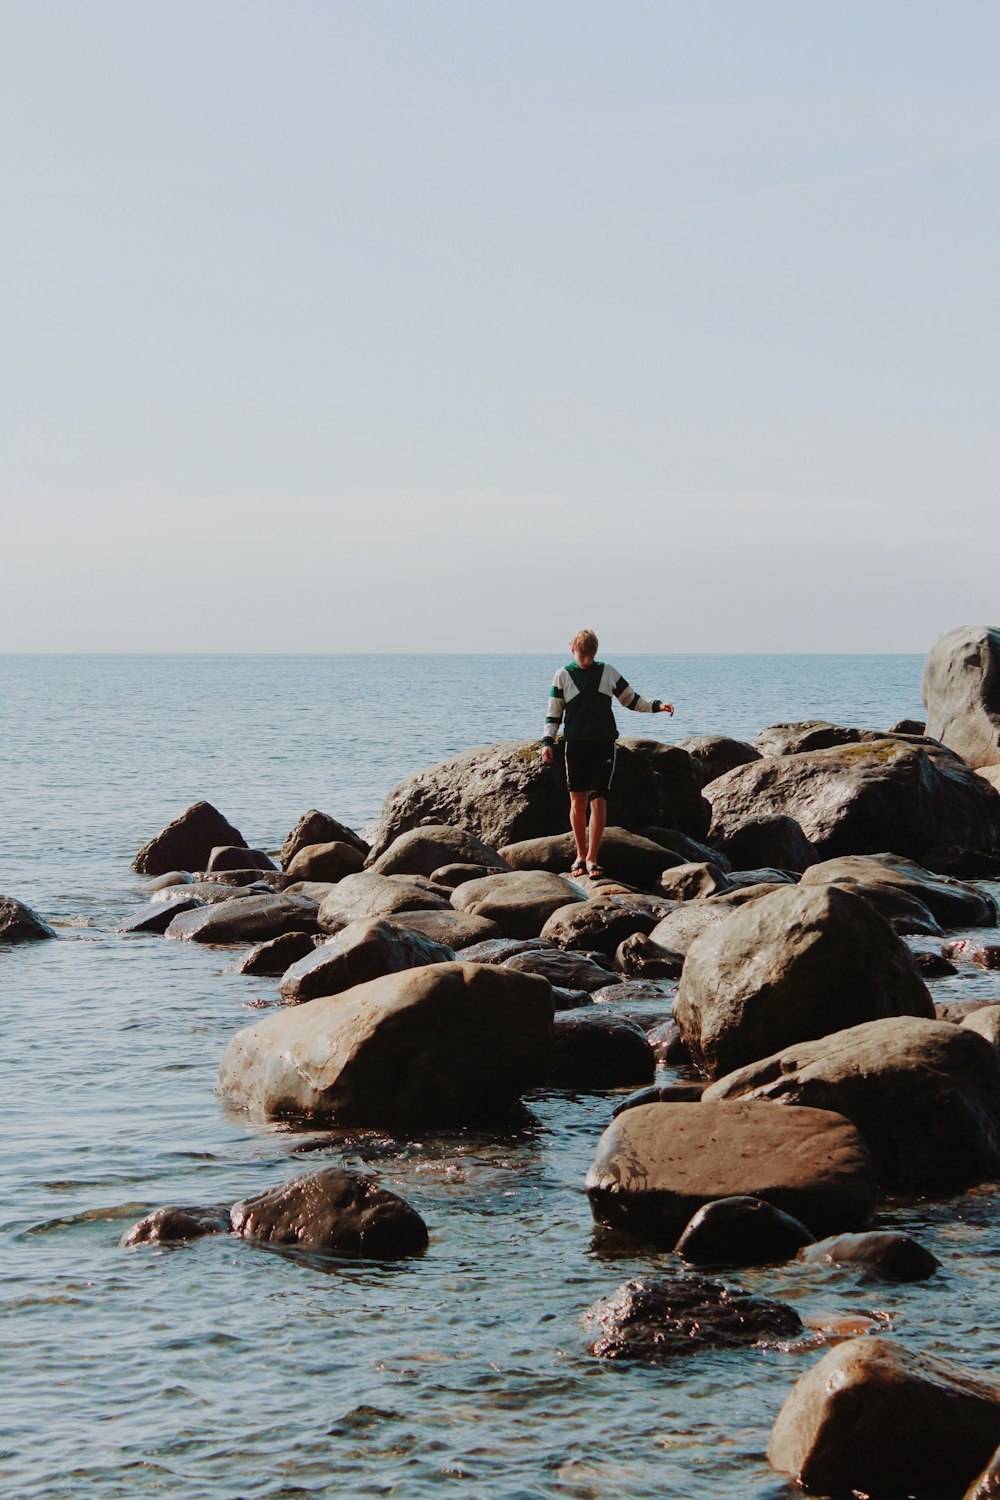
223 1370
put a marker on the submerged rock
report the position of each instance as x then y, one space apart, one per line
336 1211
741 1231
19 924
448 1044
875 1418
656 1321
175 1226
187 842
886 1254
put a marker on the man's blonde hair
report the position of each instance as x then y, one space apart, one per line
585 641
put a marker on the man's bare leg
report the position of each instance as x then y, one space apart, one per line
598 818
578 821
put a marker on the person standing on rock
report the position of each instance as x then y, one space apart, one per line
582 690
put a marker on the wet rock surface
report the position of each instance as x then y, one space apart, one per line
336 1211
640 958
741 1231
657 1321
885 1254
19 924
175 1226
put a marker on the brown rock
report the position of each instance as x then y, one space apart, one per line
335 1211
187 842
598 925
656 1321
278 954
175 1226
363 950
238 857
245 919
325 862
640 958
369 895
624 856
961 692
520 903
420 851
316 827
952 902
693 882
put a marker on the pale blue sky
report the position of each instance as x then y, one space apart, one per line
456 326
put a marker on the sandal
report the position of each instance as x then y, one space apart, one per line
579 867
594 871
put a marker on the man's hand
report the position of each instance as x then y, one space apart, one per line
667 708
548 754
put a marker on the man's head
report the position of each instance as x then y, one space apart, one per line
584 647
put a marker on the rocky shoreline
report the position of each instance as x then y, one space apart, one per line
769 919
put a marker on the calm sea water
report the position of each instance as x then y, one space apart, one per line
222 1371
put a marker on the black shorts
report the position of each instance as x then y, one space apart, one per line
590 766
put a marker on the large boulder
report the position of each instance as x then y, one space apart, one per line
775 841
361 951
316 827
598 925
653 1322
924 1094
624 856
339 1212
520 902
658 1163
875 1418
797 964
187 842
505 793
245 919
369 895
330 861
19 924
865 798
449 1044
717 754
420 851
961 692
953 903
810 734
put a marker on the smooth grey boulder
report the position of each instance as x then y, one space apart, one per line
420 851
953 903
797 964
961 692
316 827
175 1226
876 1418
505 793
369 895
741 1231
658 1164
717 754
595 1050
448 1044
569 970
158 916
864 798
693 882
810 734
924 1094
885 1254
187 842
624 856
274 956
19 924
456 929
654 1322
332 1211
638 957
238 857
597 925
775 841
363 950
520 902
328 862
246 919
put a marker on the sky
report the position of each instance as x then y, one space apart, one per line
458 325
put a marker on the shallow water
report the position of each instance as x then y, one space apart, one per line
220 1370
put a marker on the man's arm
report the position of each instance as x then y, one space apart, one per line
553 719
629 698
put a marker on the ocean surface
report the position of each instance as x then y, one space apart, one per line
223 1370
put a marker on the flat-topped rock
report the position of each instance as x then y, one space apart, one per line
657 1164
449 1044
624 856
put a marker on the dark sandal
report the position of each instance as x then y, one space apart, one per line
594 871
579 868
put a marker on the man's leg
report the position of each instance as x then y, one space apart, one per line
598 818
578 821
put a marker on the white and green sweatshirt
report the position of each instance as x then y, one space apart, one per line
584 694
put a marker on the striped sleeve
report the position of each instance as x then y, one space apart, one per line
557 703
629 698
